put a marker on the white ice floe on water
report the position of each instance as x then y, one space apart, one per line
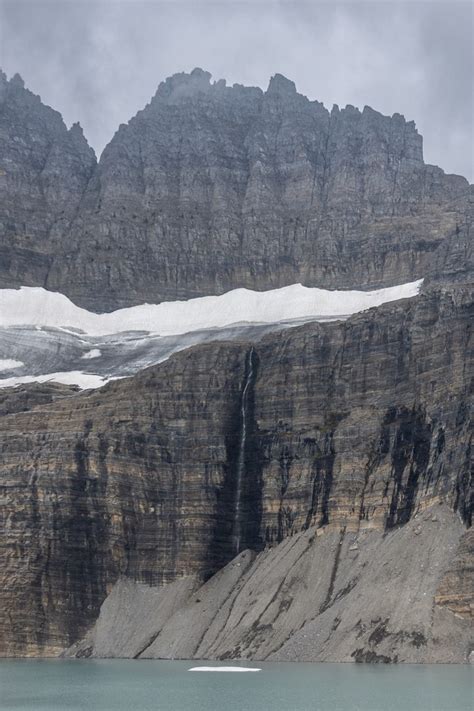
224 669
10 364
35 306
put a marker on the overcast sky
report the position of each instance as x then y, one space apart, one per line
100 61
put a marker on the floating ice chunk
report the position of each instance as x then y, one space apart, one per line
224 669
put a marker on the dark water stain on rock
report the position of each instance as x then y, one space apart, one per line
410 459
239 501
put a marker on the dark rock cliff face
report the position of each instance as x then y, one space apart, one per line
338 453
44 171
346 427
213 187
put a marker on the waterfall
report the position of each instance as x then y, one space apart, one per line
240 470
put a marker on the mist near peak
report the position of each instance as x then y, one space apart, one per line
100 61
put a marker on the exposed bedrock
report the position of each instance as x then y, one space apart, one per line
211 187
352 426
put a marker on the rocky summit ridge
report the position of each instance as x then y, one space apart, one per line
300 494
212 187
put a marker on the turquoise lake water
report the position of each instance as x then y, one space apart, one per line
116 685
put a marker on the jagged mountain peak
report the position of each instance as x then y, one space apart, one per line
279 84
79 140
17 80
183 84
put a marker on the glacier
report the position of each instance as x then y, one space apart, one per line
44 336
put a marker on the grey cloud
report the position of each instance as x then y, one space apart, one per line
99 61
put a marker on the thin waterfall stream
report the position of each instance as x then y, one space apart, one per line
240 471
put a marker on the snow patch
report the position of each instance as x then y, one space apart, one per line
130 335
37 307
72 377
94 353
9 364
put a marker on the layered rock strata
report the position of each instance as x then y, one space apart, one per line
344 427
